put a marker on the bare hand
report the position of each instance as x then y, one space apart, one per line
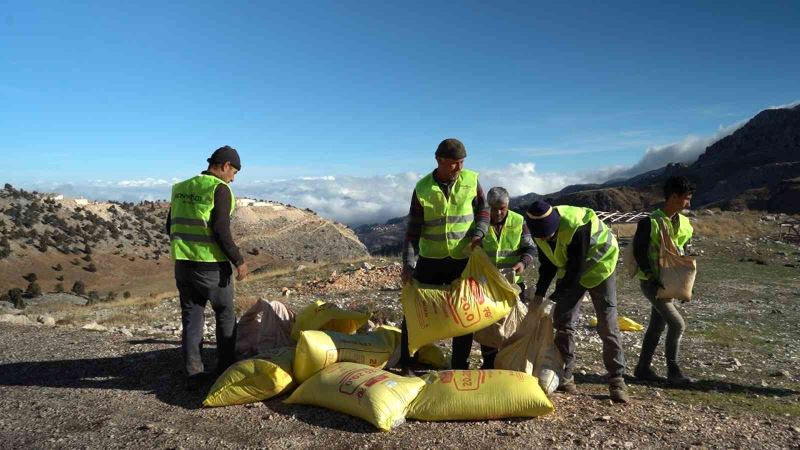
518 268
242 271
476 241
407 274
538 299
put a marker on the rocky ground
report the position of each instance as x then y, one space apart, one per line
62 386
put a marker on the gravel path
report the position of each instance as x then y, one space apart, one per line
68 388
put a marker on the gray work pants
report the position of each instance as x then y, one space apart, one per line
196 288
604 299
663 314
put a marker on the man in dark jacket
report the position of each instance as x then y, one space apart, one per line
448 213
578 249
203 249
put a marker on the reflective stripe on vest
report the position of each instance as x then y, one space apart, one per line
504 252
447 221
601 260
680 237
191 236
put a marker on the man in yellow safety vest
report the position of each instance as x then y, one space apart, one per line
203 249
509 245
578 249
448 213
646 245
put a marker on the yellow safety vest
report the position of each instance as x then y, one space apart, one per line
447 220
191 236
601 261
504 249
680 236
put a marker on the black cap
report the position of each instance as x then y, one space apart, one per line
452 149
226 154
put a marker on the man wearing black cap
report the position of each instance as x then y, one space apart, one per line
577 248
198 224
448 213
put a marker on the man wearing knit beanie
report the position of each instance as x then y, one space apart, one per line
448 213
578 249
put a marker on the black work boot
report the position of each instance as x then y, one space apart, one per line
675 377
617 390
647 374
567 385
643 371
196 381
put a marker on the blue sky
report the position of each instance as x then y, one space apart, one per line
99 94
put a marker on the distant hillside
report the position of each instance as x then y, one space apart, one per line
384 239
114 247
756 167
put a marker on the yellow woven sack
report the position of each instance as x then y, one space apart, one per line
253 380
319 349
432 355
479 395
379 397
479 298
327 316
625 324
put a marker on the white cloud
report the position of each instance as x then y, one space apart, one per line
684 151
786 106
143 183
347 199
522 178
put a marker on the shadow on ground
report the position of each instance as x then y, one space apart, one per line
321 417
697 385
158 372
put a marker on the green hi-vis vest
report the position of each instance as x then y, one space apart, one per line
447 221
504 251
190 233
603 249
680 237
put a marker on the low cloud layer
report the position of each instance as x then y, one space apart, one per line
347 199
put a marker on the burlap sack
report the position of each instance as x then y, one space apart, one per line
677 272
266 325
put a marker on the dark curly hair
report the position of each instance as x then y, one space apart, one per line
678 185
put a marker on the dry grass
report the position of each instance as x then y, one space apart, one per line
722 224
124 318
734 224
